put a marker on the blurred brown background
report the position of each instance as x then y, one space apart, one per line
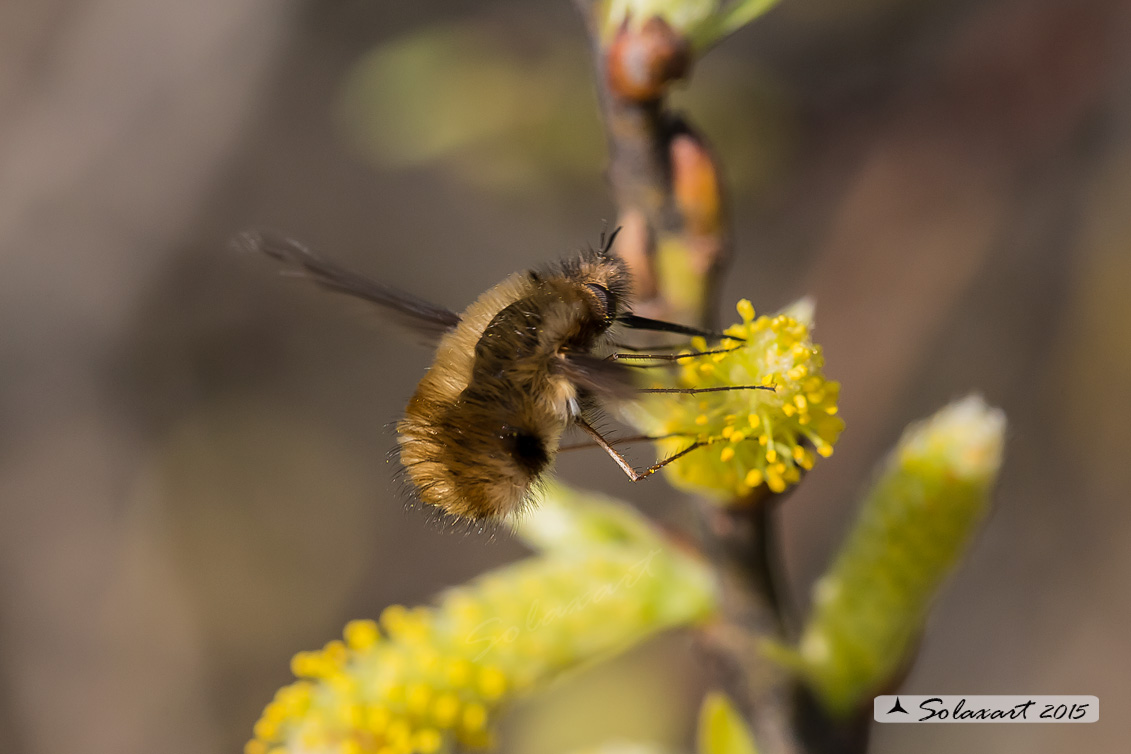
193 482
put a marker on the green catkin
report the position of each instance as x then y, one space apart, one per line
914 525
427 678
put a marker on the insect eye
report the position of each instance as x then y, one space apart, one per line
606 302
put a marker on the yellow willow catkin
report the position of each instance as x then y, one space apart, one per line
721 729
423 679
754 438
912 529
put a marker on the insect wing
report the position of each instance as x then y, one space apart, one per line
416 314
604 378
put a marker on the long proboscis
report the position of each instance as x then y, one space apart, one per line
658 325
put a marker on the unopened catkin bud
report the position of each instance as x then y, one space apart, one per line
869 608
642 60
695 185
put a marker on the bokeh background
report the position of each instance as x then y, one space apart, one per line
193 480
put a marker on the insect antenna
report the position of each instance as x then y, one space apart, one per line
607 241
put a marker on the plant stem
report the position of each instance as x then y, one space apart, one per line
741 540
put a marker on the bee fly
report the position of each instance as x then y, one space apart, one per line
528 359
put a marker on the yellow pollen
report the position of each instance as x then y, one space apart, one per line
361 634
399 733
427 741
738 437
701 419
474 717
707 368
771 455
754 420
307 665
726 455
492 683
418 698
728 431
754 478
459 673
335 652
377 718
265 729
446 710
745 310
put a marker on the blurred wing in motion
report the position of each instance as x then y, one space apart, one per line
414 313
605 379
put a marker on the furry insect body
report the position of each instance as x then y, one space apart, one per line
486 419
510 375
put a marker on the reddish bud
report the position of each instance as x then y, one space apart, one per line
642 61
695 184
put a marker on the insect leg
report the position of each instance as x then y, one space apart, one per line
693 390
667 356
621 461
618 441
638 349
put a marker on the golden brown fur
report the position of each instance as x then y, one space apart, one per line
485 421
510 373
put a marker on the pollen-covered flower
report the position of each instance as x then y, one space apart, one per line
423 679
754 437
869 609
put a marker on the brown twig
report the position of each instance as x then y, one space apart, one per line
661 173
669 195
